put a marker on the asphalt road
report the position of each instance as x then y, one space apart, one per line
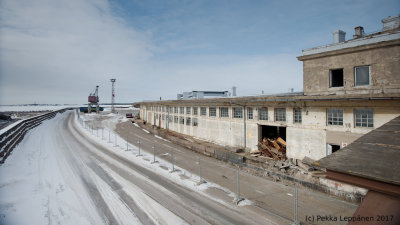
269 198
121 175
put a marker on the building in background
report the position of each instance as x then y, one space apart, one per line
350 88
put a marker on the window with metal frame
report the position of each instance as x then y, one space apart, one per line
176 120
263 113
195 122
203 111
223 112
188 110
195 110
163 116
188 121
280 114
364 117
212 111
361 75
237 112
170 119
297 117
176 109
250 113
182 110
182 120
335 117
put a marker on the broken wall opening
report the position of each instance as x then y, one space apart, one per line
271 132
272 142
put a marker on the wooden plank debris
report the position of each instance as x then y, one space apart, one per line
273 148
281 141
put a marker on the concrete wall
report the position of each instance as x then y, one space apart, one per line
308 138
384 62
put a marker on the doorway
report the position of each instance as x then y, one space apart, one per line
271 132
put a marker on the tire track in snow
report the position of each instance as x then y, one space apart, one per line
117 188
187 205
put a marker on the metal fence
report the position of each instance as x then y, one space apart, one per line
289 198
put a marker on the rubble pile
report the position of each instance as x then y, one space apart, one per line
272 148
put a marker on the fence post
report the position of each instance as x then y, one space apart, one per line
127 143
154 155
115 139
102 133
139 148
173 162
201 181
238 199
296 221
109 138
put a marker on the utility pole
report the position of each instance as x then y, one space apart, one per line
112 95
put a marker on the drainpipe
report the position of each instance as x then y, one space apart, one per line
244 128
167 122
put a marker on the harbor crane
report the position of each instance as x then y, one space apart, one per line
93 101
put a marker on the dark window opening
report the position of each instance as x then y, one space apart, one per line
336 78
335 148
271 132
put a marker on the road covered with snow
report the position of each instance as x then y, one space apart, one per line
62 173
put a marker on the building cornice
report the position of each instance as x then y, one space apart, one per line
383 44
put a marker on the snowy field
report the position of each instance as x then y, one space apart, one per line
45 182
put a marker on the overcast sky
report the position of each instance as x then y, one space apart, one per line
57 51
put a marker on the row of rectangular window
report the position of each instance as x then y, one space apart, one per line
181 120
362 117
280 113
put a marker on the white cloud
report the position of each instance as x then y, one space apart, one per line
55 48
58 51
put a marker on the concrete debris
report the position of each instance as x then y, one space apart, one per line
308 161
272 148
306 164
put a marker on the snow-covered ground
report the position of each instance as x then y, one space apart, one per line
38 187
42 181
119 145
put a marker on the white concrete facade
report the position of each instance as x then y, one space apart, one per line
308 138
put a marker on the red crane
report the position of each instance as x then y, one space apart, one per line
93 100
94 97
